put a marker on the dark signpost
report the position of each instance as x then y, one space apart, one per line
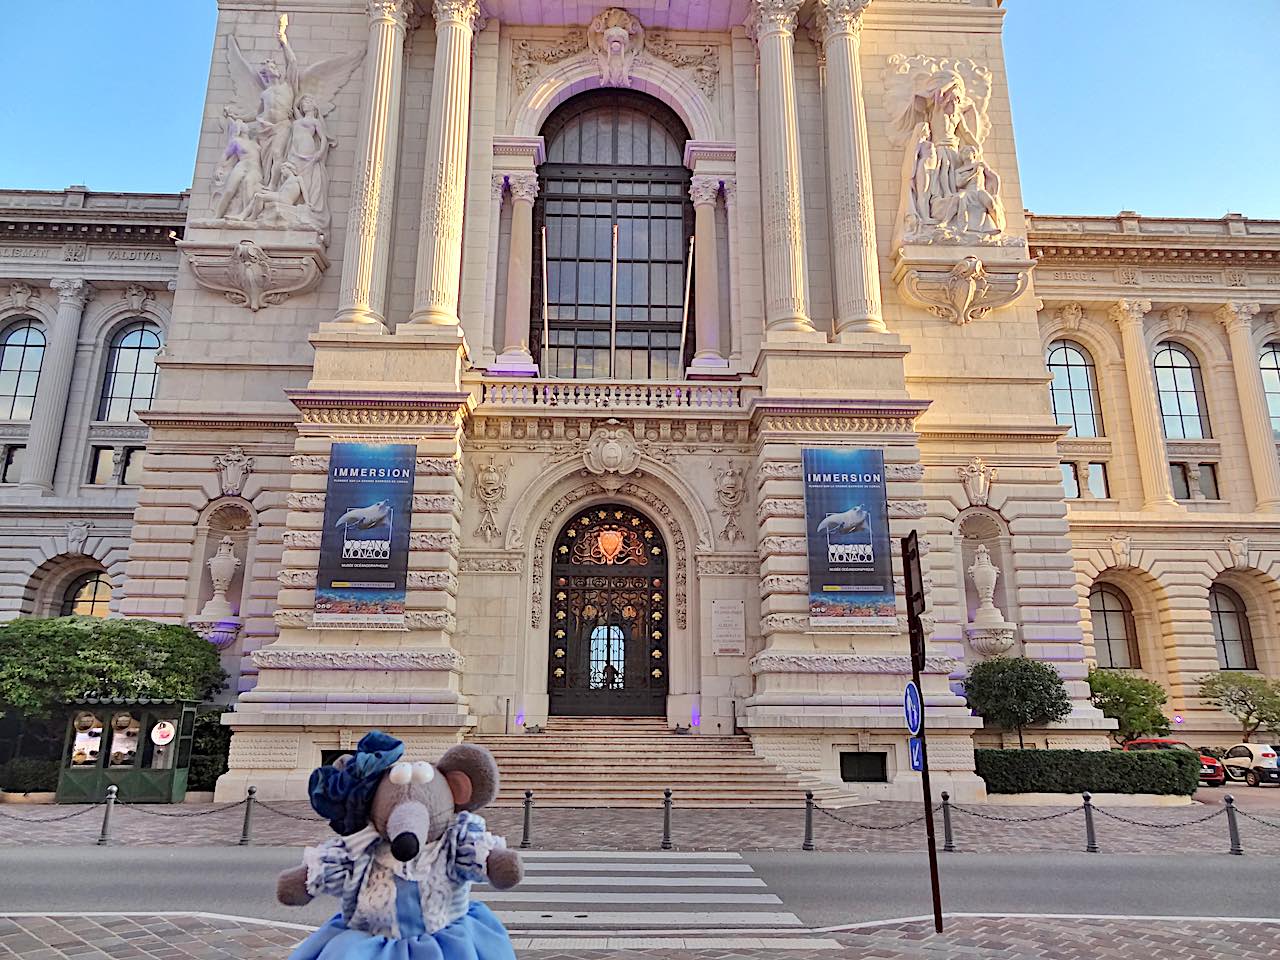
913 706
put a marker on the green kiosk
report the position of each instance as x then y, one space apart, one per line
142 746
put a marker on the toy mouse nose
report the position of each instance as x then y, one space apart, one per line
404 847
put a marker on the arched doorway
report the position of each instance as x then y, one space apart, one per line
608 652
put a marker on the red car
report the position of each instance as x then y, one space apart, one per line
1212 772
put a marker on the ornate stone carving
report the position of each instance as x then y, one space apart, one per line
275 657
433 580
769 661
768 16
910 472
615 37
527 59
1127 276
22 294
254 276
438 503
438 467
1129 311
1121 548
77 534
137 296
73 291
704 189
611 449
1176 317
720 567
908 509
989 634
305 501
966 291
221 633
308 463
780 470
731 491
939 112
490 489
1238 549
443 542
783 584
431 620
783 546
1237 313
274 172
222 567
301 539
297 579
491 564
467 12
977 478
233 470
1070 315
524 186
705 64
1236 278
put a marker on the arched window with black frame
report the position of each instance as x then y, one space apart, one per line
89 595
1074 390
1269 361
1231 633
615 158
1115 634
21 355
1183 409
130 381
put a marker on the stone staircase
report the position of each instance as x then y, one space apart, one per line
628 761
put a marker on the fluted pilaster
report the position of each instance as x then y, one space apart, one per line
705 190
1259 439
515 358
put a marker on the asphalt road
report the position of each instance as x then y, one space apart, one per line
822 889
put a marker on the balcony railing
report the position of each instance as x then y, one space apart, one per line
611 394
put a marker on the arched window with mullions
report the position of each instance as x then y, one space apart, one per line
130 383
1075 389
1115 634
615 158
88 596
21 354
1231 633
1182 404
1269 361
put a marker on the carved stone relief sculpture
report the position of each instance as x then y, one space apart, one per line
490 488
529 57
77 534
615 37
989 634
249 275
233 470
612 449
1121 548
222 567
977 478
731 492
1238 548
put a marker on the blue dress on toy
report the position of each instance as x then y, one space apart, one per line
415 910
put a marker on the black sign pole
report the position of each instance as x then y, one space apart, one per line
914 584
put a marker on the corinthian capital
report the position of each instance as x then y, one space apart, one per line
1235 313
77 292
836 17
704 189
1125 312
524 186
465 12
397 12
772 16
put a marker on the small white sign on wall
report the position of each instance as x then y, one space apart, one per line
729 628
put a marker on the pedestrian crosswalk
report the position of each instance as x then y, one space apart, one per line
576 892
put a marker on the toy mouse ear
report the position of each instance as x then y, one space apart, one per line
472 775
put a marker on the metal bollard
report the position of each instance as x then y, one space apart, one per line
666 819
526 839
105 835
1090 836
808 821
246 832
948 842
1233 826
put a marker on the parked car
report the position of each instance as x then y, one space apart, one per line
1254 763
1212 773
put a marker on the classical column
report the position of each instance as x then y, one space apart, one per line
435 294
367 250
773 24
730 185
855 260
50 409
1153 463
706 273
1258 436
515 358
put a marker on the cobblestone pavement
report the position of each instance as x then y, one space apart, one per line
979 828
967 938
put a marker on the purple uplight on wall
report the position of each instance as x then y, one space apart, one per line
695 718
1177 718
519 718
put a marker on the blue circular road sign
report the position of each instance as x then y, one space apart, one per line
913 708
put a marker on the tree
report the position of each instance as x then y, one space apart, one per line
1014 692
1251 699
1133 702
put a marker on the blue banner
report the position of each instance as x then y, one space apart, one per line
364 549
847 528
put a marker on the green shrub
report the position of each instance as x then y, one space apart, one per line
209 748
1015 692
1169 772
27 775
1134 702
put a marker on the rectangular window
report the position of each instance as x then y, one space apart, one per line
102 466
12 471
1181 484
858 767
1070 481
133 465
1209 481
1098 481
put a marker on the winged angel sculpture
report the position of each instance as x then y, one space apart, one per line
273 173
939 109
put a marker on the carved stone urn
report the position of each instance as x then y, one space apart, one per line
990 635
222 567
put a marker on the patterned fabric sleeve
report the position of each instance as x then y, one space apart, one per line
328 867
470 848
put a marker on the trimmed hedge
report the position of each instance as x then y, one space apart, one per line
1170 772
29 775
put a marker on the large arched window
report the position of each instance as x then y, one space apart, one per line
130 383
88 596
1182 404
614 159
1231 631
1075 389
21 353
1115 635
1270 363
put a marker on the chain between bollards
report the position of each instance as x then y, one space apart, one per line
1233 827
808 822
526 839
666 819
246 832
1090 835
948 842
105 835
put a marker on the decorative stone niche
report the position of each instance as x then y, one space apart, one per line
985 559
221 557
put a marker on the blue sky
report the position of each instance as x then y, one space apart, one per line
1167 107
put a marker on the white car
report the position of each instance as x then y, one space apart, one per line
1254 763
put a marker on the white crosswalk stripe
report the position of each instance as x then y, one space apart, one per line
566 893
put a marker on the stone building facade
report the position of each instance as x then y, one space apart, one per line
468 228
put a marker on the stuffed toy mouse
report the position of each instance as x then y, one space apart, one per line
409 850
